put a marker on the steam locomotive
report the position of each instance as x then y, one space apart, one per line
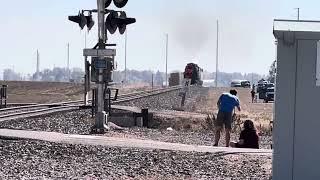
193 73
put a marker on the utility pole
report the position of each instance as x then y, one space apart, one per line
167 43
217 54
152 80
38 66
298 11
68 62
125 56
252 78
85 39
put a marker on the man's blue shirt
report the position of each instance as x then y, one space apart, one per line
228 102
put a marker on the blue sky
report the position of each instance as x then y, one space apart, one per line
246 39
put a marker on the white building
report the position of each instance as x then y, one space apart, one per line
297 122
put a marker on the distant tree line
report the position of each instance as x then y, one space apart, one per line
225 79
49 75
11 75
134 76
58 74
272 72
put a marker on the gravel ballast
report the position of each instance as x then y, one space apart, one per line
80 122
170 100
42 160
26 159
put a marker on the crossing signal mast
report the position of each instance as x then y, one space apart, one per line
102 64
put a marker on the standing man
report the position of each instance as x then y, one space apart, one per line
226 104
253 94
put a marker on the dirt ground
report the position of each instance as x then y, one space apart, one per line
42 92
261 113
50 92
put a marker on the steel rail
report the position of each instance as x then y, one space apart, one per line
29 111
33 113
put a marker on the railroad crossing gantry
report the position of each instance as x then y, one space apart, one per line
102 58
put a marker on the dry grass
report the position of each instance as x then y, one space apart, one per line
260 113
206 111
49 92
179 120
205 108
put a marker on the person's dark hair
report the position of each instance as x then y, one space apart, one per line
233 92
248 125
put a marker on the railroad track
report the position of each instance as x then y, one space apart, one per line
32 110
144 94
131 96
42 109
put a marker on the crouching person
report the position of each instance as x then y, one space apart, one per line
248 137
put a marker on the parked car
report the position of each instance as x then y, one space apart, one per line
266 91
245 84
261 85
269 95
236 83
241 83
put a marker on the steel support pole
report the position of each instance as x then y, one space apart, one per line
217 55
167 43
38 66
68 61
85 39
86 80
152 81
100 125
125 57
298 15
1 96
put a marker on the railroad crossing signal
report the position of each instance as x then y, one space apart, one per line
90 21
115 20
120 3
102 59
83 20
117 3
107 3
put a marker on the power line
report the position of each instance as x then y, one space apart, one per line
217 54
68 62
38 66
85 39
298 11
125 56
167 43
